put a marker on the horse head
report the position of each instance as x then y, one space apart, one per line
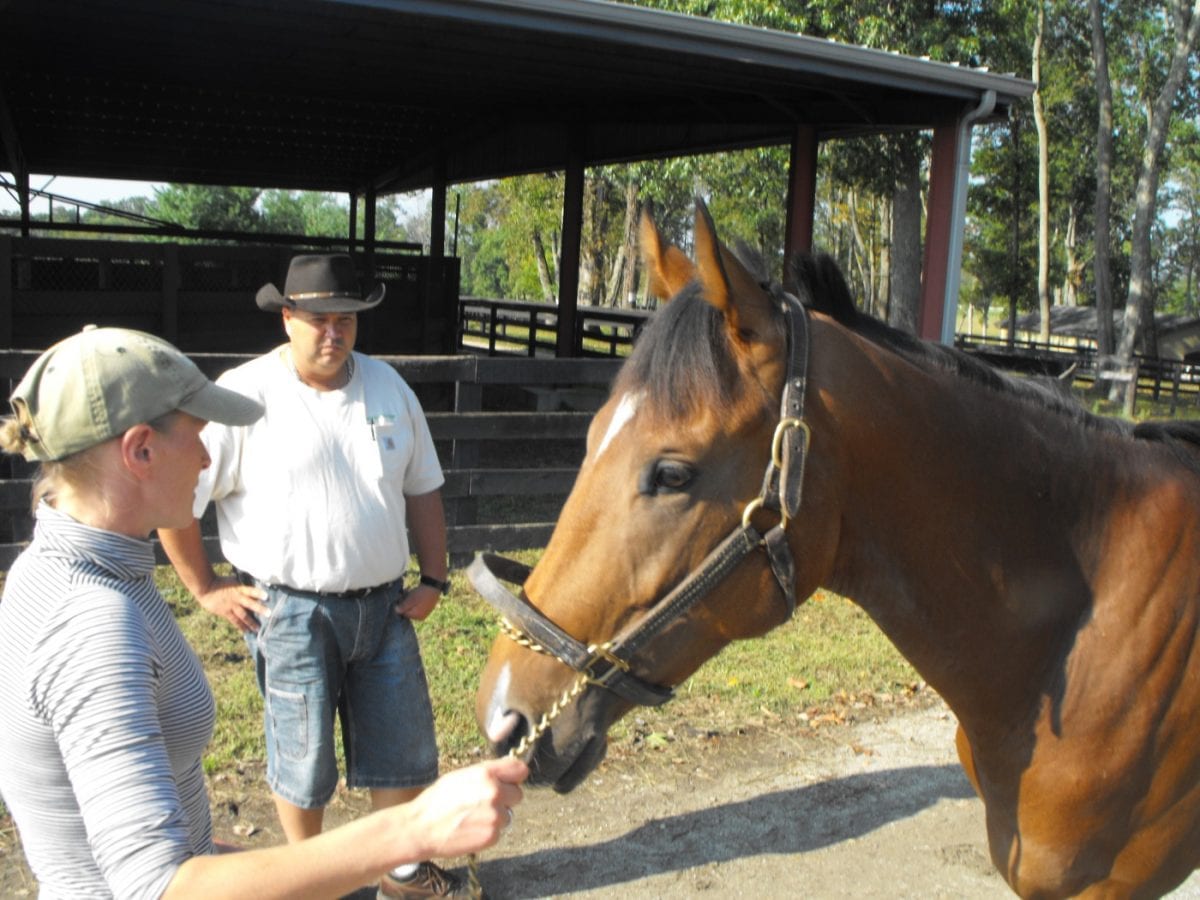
673 476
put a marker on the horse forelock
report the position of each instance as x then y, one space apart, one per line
684 361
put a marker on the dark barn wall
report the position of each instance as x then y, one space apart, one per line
200 297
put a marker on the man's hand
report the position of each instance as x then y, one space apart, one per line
418 603
239 603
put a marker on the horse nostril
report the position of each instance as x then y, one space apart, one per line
515 735
502 727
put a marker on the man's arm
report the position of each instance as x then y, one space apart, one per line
427 525
220 595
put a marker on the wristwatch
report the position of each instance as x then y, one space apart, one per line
443 587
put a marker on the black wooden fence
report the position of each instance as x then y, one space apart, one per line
519 327
510 434
1172 380
200 297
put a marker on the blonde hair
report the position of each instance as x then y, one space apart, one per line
75 471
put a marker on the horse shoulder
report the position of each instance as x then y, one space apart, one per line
1111 793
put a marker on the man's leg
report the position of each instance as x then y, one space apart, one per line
382 798
299 823
391 738
296 679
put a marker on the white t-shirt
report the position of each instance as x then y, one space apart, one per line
312 494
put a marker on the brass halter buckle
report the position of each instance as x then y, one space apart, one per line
777 450
781 431
603 653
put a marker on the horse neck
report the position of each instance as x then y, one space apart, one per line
964 524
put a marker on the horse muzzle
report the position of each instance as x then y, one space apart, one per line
561 755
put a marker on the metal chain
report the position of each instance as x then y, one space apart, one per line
577 687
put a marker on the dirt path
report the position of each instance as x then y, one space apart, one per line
877 808
872 809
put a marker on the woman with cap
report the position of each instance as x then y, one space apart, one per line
105 707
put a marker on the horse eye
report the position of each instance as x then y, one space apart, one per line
671 476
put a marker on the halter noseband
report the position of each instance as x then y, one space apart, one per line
608 664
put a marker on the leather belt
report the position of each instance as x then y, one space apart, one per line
356 594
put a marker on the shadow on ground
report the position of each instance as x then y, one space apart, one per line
784 822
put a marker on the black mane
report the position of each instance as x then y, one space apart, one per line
820 285
682 359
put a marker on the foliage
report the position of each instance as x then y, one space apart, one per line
303 212
201 206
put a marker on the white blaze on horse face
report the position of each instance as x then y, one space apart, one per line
625 410
500 719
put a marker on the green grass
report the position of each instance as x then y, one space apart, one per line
830 653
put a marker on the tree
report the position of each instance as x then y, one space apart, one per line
208 207
1184 19
1104 169
998 242
1039 119
303 212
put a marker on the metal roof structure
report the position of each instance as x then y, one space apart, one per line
385 95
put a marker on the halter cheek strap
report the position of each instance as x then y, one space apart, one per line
608 664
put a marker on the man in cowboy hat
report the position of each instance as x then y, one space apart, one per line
312 504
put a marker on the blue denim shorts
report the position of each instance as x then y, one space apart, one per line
316 656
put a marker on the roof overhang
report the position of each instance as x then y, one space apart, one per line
352 95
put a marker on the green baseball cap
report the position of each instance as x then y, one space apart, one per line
101 382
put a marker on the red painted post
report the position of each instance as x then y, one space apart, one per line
939 220
802 191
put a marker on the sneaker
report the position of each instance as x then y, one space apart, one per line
428 881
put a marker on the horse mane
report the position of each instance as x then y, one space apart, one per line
682 359
683 362
1181 438
818 282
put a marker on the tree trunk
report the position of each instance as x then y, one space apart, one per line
1014 249
906 242
622 290
589 271
1104 163
1074 274
1138 304
886 214
544 277
1039 119
862 254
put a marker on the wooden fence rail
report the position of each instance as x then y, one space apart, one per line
510 434
1158 378
521 327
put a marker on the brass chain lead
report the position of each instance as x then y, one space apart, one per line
523 746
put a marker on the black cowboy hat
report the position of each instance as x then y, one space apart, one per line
319 283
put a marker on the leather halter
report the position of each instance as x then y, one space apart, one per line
608 665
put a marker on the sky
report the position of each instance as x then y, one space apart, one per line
92 190
107 190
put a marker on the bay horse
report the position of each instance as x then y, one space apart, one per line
1037 564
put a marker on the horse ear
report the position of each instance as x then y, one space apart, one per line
667 268
727 284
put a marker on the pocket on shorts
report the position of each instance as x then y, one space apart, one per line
289 723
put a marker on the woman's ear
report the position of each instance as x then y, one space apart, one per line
137 450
